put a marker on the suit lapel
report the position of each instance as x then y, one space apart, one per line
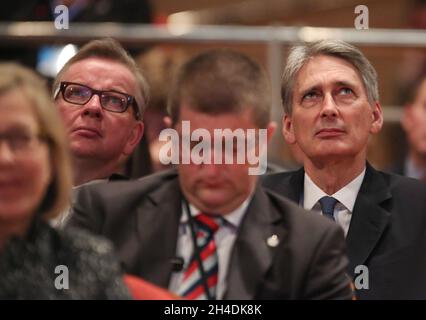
251 256
158 222
369 218
293 188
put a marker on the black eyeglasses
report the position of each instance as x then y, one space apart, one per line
111 100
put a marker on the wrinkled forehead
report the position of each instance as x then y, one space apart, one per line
101 72
324 69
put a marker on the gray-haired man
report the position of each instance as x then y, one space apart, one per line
331 105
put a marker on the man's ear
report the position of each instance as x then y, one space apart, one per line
134 138
288 131
377 118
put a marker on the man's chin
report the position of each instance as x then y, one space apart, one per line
212 202
84 152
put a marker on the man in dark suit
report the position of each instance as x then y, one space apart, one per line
330 98
101 96
208 229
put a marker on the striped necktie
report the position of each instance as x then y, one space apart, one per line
192 286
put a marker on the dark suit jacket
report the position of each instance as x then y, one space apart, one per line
142 217
387 231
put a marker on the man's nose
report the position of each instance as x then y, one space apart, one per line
93 107
212 169
329 108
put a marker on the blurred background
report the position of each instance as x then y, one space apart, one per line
162 34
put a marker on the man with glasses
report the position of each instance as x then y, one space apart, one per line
101 95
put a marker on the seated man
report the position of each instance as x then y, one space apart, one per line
101 96
209 230
331 106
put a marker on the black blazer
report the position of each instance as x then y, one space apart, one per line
142 217
387 231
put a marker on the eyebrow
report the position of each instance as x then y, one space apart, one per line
340 83
111 88
17 128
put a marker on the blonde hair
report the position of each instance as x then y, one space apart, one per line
34 89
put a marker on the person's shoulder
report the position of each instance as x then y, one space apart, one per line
403 197
276 178
80 240
403 184
97 273
142 185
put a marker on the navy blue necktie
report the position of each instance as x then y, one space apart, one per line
327 206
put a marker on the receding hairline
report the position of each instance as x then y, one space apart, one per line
342 81
103 59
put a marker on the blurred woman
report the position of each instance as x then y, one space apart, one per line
36 261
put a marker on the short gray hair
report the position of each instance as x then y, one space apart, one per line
300 55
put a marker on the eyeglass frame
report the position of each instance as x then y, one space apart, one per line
130 99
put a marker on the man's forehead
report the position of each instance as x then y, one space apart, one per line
91 65
102 74
326 69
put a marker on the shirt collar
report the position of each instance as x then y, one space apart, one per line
346 195
411 170
89 183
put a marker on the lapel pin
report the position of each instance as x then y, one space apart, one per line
273 241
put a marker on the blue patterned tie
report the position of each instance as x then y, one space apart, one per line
327 206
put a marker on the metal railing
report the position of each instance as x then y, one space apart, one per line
275 37
137 34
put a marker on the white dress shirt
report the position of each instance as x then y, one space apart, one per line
224 237
346 197
412 171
